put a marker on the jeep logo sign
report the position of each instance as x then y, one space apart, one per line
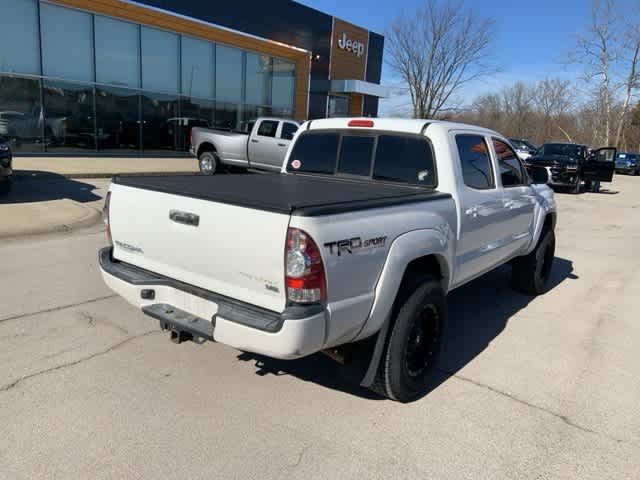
354 46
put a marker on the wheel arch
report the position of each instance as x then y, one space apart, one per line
426 252
206 146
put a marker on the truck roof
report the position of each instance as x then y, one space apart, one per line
403 125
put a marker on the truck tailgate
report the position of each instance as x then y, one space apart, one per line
233 250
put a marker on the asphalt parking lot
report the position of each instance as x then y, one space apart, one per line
531 388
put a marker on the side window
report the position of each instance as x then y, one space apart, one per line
288 131
475 161
404 159
511 171
268 128
355 155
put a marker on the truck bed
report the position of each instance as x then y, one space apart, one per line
286 193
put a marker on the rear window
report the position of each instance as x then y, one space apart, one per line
398 158
314 153
355 155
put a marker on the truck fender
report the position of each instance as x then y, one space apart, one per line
545 208
208 144
403 251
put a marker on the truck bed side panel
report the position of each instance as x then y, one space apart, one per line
353 271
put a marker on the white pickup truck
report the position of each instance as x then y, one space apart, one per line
364 232
263 145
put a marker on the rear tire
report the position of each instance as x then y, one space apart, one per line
531 272
208 163
414 341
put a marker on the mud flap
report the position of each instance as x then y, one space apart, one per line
370 376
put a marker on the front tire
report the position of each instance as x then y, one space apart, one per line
531 272
414 342
208 163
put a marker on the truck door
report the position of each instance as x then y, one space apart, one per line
518 198
263 149
600 165
481 232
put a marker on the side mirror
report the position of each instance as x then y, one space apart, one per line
539 175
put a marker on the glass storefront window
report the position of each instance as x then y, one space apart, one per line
160 59
117 52
338 106
283 83
160 121
251 113
19 37
194 112
197 67
118 120
66 43
69 118
258 81
227 116
21 113
228 74
111 85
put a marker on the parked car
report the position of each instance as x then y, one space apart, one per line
262 145
524 148
368 227
569 164
5 165
628 163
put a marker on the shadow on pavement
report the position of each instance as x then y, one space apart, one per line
30 186
478 313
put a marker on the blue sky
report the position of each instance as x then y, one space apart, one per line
531 37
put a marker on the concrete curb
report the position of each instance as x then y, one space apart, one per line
48 175
91 219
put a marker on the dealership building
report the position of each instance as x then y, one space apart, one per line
123 77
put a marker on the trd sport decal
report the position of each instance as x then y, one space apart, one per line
348 246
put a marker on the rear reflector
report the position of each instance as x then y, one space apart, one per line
361 123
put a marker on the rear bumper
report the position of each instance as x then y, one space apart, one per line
294 333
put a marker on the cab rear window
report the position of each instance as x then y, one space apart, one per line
383 157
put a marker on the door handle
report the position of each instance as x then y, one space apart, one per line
282 144
509 204
255 141
472 211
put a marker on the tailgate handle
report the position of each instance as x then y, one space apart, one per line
185 218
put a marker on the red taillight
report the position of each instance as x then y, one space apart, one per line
105 215
361 123
305 277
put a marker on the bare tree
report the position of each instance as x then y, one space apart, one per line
631 57
436 51
553 100
598 53
518 103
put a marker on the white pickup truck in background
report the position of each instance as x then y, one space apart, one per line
263 145
361 236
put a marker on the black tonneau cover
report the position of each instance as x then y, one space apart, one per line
285 193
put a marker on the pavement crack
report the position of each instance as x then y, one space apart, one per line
18 381
564 418
57 309
301 454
